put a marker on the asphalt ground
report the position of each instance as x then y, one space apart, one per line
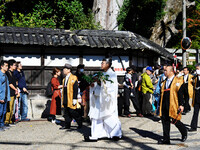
138 133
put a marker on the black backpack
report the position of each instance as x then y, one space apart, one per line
49 91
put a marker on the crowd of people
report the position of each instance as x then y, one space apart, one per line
162 91
96 99
157 91
13 94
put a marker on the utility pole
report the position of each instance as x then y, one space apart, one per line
197 55
184 32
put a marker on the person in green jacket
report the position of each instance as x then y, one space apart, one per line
147 91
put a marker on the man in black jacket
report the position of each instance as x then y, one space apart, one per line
196 100
13 91
135 99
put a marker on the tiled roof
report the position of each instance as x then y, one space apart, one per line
91 38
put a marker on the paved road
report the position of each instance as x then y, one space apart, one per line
139 133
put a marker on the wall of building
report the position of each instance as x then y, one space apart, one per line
38 63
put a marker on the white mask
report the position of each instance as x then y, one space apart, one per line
129 75
198 72
180 74
81 70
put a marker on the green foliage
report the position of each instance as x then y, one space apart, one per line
68 14
139 16
123 13
84 22
192 67
2 11
99 76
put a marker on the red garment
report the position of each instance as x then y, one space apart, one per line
85 96
56 98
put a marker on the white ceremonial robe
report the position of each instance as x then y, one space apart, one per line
103 108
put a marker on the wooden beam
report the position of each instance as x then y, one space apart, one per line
81 58
42 63
179 51
51 68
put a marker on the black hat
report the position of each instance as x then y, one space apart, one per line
68 66
80 66
128 69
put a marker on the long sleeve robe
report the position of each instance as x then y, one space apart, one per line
103 99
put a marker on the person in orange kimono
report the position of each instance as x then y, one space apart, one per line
56 97
171 106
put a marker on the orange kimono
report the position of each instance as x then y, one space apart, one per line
56 97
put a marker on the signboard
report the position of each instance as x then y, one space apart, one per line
118 66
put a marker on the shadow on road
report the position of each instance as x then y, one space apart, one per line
153 118
85 130
137 144
148 134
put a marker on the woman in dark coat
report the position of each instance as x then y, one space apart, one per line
56 97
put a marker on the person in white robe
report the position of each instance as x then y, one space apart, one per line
103 106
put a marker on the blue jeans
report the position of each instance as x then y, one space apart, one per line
2 113
23 106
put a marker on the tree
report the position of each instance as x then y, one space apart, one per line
140 16
193 26
68 14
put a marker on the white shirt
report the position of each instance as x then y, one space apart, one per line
169 81
164 77
66 79
185 78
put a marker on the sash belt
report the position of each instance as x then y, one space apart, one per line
166 90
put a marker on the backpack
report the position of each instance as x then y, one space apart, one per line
49 91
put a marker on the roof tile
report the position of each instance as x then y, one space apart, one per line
91 38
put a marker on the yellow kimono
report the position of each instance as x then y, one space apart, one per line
173 102
72 79
195 83
190 85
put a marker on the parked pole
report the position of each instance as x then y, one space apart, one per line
184 32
